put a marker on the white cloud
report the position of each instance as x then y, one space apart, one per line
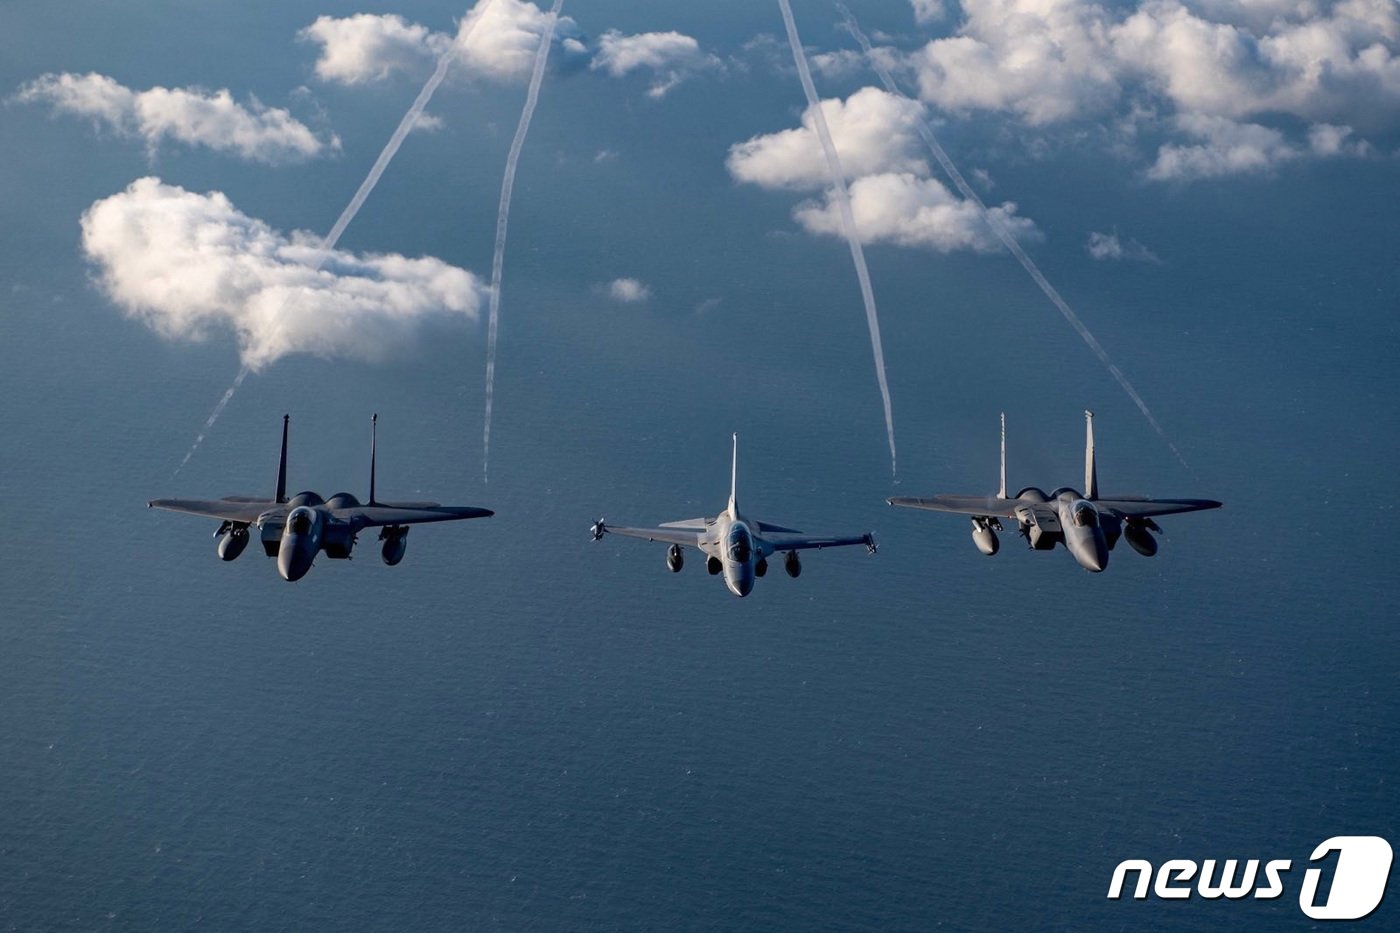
838 65
1250 62
191 265
873 132
190 116
1229 148
672 56
892 199
502 38
909 211
1044 60
365 47
1109 246
628 290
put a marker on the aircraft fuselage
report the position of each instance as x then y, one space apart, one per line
1083 531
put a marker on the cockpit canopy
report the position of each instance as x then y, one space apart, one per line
299 522
740 544
1084 514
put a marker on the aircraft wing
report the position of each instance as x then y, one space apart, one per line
233 509
1138 507
814 543
686 536
369 516
961 505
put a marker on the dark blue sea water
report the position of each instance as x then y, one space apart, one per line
520 729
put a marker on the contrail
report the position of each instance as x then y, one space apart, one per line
1008 240
502 220
848 221
386 156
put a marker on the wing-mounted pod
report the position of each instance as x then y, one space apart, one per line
395 538
984 533
233 538
1138 532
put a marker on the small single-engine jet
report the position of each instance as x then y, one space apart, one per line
295 530
1088 525
733 544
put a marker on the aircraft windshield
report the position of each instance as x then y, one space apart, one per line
740 544
299 522
1085 515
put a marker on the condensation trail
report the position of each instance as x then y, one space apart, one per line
848 221
1007 238
386 156
502 220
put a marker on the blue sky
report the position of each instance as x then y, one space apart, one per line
1209 185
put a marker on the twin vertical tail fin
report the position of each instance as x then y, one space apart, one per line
1091 469
734 482
282 463
1001 490
373 443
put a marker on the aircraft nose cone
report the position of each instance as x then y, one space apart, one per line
1096 560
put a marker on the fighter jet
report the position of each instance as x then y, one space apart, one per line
295 530
733 544
1087 525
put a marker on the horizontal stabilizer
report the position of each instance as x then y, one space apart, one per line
698 524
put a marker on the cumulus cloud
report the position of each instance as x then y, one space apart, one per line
892 197
502 43
873 131
671 56
191 265
1110 247
628 290
1254 63
1229 148
185 115
903 209
501 39
365 47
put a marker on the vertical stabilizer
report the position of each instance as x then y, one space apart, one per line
1001 490
373 443
1091 469
282 463
734 482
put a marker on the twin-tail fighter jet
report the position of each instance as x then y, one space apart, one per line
295 530
733 544
1088 525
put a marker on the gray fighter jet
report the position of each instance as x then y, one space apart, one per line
295 530
733 544
1088 525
